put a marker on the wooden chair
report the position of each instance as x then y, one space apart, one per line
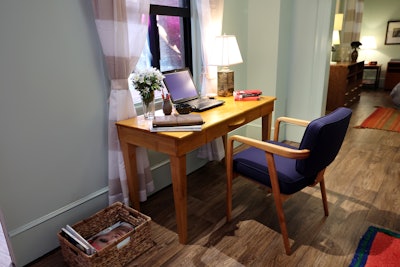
285 169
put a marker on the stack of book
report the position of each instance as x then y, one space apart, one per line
177 123
246 95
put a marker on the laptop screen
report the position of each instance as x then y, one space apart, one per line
180 85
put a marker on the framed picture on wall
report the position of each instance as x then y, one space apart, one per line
393 32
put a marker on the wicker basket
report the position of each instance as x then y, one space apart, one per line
139 240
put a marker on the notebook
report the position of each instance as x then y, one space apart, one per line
181 89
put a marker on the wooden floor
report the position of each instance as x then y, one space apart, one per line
363 187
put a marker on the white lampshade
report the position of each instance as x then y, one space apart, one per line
338 23
335 38
368 42
226 51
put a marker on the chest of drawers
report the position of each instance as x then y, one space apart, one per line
345 83
392 74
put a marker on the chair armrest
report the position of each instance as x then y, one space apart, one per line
287 120
270 148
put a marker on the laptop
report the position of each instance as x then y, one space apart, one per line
182 90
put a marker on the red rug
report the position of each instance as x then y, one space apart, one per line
378 247
383 119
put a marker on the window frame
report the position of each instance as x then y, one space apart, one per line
184 13
154 43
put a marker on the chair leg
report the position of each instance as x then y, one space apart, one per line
323 195
282 223
321 180
228 199
229 178
278 201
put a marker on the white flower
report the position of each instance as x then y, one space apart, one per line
146 81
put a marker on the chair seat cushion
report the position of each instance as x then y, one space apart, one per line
252 164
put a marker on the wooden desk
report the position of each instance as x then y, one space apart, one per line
218 122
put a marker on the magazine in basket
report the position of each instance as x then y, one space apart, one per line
114 236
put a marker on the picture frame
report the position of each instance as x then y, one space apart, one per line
393 33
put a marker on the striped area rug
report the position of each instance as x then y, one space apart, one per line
377 247
383 119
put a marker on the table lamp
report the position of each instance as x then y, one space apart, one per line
335 38
369 44
227 53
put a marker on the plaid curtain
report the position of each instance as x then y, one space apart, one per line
210 14
122 29
352 21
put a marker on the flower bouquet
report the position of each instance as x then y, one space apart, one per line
147 81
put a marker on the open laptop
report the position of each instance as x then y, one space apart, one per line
181 89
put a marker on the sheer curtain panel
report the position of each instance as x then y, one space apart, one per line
122 30
210 13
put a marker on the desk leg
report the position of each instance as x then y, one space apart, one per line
129 154
266 127
179 185
378 75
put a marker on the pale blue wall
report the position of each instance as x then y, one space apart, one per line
53 117
235 23
288 48
309 53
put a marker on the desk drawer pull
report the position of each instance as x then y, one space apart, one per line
242 121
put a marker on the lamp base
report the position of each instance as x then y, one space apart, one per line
225 82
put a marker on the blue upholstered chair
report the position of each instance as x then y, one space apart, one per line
285 169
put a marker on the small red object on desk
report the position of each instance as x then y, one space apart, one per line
247 95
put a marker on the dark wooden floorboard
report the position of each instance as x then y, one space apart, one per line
363 185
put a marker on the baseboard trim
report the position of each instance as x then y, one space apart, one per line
68 207
159 165
57 212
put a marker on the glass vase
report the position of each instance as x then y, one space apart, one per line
148 108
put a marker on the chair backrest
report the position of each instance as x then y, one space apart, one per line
323 137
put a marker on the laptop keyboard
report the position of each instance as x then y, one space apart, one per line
201 104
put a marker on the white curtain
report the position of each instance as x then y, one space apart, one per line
210 13
122 29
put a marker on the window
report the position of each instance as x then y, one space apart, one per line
169 44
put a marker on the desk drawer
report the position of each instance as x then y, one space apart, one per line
232 124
